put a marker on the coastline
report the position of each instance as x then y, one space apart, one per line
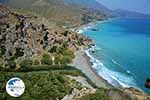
82 28
82 62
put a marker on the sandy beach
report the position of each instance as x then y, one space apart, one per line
82 62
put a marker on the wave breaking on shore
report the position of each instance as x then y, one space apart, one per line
114 78
83 28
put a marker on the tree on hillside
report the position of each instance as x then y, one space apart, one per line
26 63
19 52
2 50
46 59
11 63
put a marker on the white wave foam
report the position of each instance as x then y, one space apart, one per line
114 78
80 31
128 72
83 28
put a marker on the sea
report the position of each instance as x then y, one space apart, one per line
121 54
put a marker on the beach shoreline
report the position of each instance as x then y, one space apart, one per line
82 62
82 28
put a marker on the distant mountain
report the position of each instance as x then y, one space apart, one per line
88 3
116 13
59 12
58 9
126 13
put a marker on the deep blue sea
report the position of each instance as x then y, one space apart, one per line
122 51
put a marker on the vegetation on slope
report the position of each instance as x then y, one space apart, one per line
50 85
38 55
23 39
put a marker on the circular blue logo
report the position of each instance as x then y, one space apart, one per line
15 87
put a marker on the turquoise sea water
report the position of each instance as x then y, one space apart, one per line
122 54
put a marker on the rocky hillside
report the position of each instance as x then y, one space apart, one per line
90 4
22 37
57 11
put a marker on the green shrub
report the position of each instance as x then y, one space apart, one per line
46 59
26 63
39 85
53 49
60 50
1 62
2 50
58 59
36 62
66 33
12 64
64 57
19 52
66 60
69 53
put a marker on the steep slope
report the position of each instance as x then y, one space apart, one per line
88 3
29 3
58 11
23 37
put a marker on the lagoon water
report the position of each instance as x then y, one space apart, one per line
122 51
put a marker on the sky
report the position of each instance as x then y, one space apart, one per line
142 6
